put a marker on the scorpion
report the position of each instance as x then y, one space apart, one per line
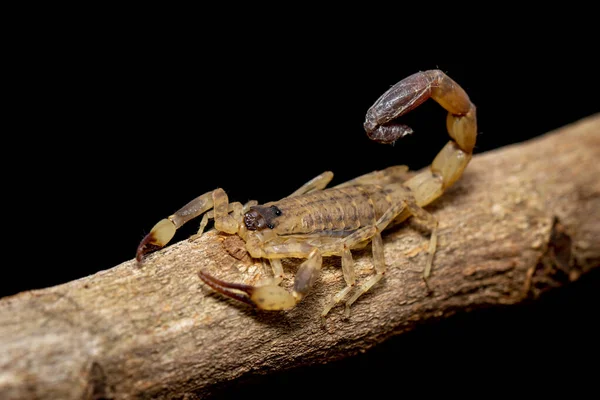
315 222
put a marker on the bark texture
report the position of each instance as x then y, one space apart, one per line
522 220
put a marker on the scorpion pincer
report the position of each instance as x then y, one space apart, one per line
314 222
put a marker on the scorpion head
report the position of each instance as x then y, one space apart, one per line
261 217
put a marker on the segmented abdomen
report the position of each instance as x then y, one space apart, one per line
333 210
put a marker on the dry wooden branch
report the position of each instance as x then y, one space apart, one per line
522 220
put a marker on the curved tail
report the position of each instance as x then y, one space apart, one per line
409 93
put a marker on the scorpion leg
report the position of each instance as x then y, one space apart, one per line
164 230
349 277
377 249
432 224
407 205
393 174
236 210
277 268
360 236
317 183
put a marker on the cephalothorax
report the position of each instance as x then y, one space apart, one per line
314 222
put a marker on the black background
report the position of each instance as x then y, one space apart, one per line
117 130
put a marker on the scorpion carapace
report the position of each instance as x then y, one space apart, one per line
314 222
261 217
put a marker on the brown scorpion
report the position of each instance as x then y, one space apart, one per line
314 222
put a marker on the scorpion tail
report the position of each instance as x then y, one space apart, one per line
406 95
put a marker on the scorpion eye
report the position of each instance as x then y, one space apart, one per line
276 210
271 226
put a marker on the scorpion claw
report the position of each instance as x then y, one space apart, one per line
158 237
144 247
268 297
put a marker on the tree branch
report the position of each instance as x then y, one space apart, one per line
522 220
